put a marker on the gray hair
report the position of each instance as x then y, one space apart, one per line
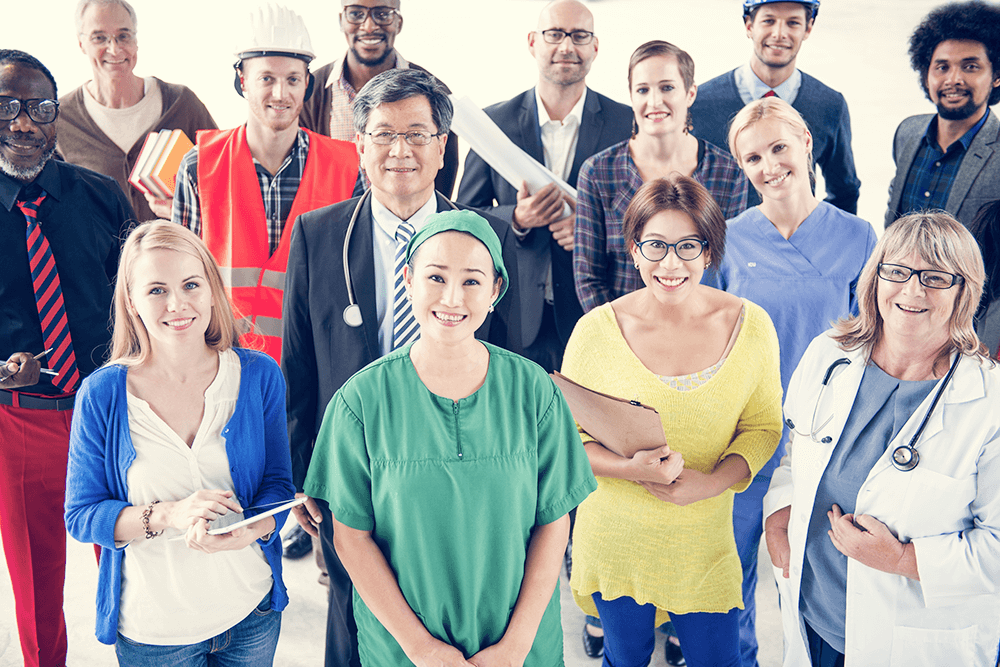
399 84
81 8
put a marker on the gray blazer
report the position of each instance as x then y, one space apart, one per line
978 179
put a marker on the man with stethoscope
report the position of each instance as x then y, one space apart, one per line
883 521
344 301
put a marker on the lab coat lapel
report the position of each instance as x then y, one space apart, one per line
966 385
838 399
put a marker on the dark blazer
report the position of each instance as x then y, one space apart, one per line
604 123
977 181
319 350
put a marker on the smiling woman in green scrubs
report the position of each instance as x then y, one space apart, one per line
450 466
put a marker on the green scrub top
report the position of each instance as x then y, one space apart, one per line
451 491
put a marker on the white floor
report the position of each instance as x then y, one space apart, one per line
304 621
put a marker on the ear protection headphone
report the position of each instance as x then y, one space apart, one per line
238 84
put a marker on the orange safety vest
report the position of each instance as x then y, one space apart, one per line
234 226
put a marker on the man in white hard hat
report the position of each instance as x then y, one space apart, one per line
267 171
370 28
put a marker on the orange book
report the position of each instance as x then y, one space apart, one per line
164 172
144 175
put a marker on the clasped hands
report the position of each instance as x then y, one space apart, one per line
545 209
437 653
861 537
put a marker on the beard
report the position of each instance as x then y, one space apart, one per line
26 174
967 110
377 61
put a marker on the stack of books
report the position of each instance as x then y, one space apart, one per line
155 172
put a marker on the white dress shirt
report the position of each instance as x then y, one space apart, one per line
752 88
384 224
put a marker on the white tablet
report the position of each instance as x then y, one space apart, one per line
258 517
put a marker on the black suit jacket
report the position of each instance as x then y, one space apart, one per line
604 123
319 350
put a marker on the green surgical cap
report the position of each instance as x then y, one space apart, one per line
470 223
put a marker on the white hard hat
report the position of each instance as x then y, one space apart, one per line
275 30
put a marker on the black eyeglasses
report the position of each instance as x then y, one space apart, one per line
357 14
687 249
579 37
897 273
413 137
41 111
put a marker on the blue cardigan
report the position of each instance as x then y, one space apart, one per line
101 451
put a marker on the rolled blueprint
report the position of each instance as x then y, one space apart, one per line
514 165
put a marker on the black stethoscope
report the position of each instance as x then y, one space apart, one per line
905 457
352 314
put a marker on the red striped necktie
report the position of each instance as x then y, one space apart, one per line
49 299
769 93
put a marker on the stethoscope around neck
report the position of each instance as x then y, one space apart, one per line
352 314
905 457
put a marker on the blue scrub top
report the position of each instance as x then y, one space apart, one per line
805 283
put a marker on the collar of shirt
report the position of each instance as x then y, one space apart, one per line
298 152
339 79
930 134
388 221
752 88
48 180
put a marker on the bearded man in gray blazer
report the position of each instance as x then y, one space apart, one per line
949 160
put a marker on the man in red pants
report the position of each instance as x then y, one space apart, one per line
60 228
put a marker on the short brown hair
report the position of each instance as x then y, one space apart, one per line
677 193
941 241
658 48
130 341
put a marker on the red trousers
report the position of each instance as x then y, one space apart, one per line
33 452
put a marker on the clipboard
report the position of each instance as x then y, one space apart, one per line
623 426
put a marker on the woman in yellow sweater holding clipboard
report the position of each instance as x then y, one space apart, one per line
655 541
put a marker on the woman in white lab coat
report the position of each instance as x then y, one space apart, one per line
883 522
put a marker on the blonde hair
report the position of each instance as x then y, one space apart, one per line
130 341
771 108
941 241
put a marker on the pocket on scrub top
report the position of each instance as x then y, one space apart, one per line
923 646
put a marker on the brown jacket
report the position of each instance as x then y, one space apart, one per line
82 142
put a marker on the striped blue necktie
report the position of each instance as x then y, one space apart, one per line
404 327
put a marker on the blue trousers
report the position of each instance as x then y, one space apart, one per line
748 520
820 653
709 640
249 643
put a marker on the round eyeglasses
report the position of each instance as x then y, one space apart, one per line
897 273
414 137
579 37
42 111
357 14
687 249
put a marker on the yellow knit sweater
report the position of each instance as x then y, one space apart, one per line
626 541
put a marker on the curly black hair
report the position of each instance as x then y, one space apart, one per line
9 56
974 20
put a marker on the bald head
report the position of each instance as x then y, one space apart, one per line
566 14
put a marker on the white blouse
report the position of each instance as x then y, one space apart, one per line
172 594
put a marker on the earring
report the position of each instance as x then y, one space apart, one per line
409 297
708 264
491 308
635 128
636 265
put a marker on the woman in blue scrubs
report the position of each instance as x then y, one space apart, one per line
797 257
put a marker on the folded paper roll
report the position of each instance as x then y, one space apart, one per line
623 426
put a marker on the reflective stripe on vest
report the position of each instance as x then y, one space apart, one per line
234 226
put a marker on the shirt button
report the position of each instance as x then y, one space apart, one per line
927 194
937 164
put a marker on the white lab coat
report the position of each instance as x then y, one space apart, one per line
948 507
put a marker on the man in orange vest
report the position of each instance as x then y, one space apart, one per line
238 188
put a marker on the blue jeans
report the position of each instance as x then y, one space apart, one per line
708 640
748 526
249 643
